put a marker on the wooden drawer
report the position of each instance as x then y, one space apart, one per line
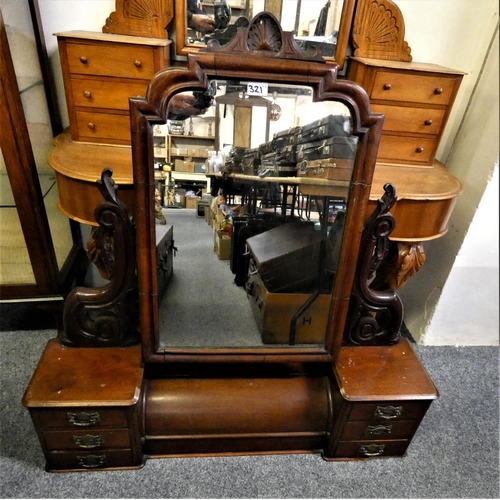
95 93
379 430
407 149
85 460
119 61
80 418
413 87
368 449
388 411
103 127
90 439
410 119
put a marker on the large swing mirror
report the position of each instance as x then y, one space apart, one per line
294 177
325 24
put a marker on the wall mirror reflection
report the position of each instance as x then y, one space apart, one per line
260 271
324 24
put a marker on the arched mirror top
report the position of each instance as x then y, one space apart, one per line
262 53
323 24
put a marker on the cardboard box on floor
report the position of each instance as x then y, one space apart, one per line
222 244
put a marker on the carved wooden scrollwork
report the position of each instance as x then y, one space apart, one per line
147 18
265 37
107 316
375 311
379 31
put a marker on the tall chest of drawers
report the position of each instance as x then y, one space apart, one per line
85 405
385 393
416 100
101 71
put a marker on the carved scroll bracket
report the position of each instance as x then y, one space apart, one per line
375 311
107 316
379 31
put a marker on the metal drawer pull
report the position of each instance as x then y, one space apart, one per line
92 461
88 441
84 419
375 430
387 86
137 63
87 94
372 450
388 412
439 90
83 60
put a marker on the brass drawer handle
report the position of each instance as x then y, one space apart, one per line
439 90
420 149
91 126
388 412
92 461
428 122
84 419
87 94
372 450
387 86
83 60
88 441
137 63
376 430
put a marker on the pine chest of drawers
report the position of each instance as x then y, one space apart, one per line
101 72
385 393
85 405
416 100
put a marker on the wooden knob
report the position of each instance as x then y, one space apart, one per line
87 94
428 122
420 149
438 91
137 63
91 126
83 60
387 86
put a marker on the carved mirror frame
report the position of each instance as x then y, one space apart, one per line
183 48
270 56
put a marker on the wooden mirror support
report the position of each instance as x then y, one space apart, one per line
261 52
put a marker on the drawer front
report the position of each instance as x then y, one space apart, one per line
401 149
105 127
409 87
111 60
94 93
388 411
369 449
89 460
80 418
89 439
410 120
379 430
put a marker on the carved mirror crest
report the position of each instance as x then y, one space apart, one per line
323 214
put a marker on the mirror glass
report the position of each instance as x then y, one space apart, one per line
255 256
322 23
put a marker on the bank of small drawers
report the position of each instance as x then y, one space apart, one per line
101 72
380 429
416 101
